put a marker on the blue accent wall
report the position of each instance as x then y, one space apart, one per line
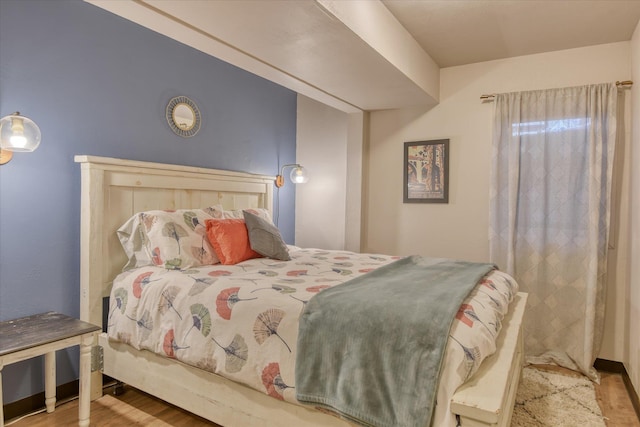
98 84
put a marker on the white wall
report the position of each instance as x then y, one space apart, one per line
459 229
322 136
632 361
358 132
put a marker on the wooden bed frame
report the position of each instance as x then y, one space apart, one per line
113 190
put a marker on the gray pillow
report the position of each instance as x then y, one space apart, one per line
265 237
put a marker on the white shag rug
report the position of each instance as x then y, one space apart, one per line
551 399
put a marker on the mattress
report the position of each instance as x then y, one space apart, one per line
241 321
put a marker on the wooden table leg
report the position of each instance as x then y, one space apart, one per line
50 381
84 400
1 410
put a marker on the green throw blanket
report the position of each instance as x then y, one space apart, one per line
371 349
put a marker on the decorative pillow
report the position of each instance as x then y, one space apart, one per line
171 239
230 240
265 238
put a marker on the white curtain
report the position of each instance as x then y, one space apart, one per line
549 222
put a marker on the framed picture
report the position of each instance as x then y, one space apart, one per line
426 171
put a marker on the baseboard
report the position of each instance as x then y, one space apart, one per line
604 365
35 402
610 366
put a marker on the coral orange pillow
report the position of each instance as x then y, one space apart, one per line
230 240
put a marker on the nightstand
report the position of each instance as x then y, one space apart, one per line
44 334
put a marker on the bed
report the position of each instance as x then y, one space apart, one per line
113 190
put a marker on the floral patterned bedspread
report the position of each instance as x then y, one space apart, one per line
241 321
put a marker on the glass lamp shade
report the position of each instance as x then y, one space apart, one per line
19 133
299 175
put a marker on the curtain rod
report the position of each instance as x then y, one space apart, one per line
490 97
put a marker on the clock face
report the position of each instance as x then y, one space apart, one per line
5 156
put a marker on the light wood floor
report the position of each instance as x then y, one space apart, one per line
132 408
135 408
612 396
614 401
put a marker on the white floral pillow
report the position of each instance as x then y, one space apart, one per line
175 240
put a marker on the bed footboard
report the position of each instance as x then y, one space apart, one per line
208 395
488 399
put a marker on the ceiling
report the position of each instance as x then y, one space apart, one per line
368 54
458 32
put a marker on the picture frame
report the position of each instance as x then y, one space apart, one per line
426 171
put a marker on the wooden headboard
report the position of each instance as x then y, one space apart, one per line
114 189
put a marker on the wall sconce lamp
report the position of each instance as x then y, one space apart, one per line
298 175
17 133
